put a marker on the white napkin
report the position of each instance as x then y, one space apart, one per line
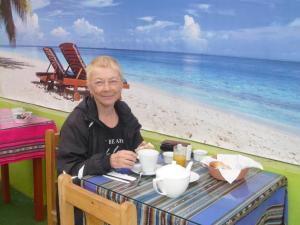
236 163
121 175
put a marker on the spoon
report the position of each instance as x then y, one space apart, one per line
137 182
189 166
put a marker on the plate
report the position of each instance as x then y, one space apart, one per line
194 176
137 168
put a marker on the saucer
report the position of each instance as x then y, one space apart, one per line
137 168
194 176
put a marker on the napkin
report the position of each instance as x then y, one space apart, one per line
236 163
121 175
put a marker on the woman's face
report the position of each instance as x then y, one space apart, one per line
105 85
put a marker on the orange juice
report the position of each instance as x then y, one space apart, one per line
180 159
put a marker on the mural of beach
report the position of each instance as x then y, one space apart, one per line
249 105
224 73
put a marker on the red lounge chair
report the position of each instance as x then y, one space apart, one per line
72 55
76 63
60 77
49 78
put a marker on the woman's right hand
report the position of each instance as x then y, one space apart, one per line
123 159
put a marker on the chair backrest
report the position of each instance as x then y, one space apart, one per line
51 142
54 61
97 209
73 57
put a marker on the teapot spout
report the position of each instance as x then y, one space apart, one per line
189 166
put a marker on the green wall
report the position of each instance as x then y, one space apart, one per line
21 172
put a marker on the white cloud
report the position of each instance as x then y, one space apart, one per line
192 12
210 34
157 25
170 36
59 32
99 3
203 7
54 13
196 9
82 28
275 41
38 4
28 32
147 18
295 23
263 34
191 29
192 35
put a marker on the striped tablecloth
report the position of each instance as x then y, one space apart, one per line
21 141
259 199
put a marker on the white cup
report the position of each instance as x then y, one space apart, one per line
199 154
148 159
168 157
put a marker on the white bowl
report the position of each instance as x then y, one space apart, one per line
199 154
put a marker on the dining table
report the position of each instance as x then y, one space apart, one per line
259 198
23 141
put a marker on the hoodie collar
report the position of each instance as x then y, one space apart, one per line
89 107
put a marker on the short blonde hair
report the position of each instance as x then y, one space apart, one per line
104 62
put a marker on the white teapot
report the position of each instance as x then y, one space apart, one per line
172 180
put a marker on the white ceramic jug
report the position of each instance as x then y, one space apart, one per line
171 180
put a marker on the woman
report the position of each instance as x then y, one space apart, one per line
101 133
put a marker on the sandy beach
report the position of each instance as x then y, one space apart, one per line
158 111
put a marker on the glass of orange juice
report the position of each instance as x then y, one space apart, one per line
179 155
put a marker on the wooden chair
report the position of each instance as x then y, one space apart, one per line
97 209
51 142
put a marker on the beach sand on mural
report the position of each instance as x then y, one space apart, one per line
161 112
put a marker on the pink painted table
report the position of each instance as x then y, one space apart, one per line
23 141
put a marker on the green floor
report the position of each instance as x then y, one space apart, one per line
19 211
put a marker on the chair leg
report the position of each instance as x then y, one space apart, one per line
38 189
76 95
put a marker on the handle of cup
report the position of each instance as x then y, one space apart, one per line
154 181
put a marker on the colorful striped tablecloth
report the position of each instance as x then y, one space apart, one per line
259 199
21 141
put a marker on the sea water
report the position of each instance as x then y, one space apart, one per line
267 90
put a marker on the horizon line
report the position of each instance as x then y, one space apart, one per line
173 52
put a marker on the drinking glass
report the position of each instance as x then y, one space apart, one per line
179 154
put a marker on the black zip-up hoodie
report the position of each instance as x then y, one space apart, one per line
82 138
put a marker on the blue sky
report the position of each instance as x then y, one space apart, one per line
248 28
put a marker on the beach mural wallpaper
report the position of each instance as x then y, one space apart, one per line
224 73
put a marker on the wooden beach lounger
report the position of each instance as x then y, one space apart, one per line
63 79
52 78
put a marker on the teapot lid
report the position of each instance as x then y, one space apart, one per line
172 170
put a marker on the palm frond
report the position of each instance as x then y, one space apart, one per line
22 7
5 9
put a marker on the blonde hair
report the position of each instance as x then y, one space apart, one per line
104 62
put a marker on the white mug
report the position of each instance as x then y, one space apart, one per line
148 159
